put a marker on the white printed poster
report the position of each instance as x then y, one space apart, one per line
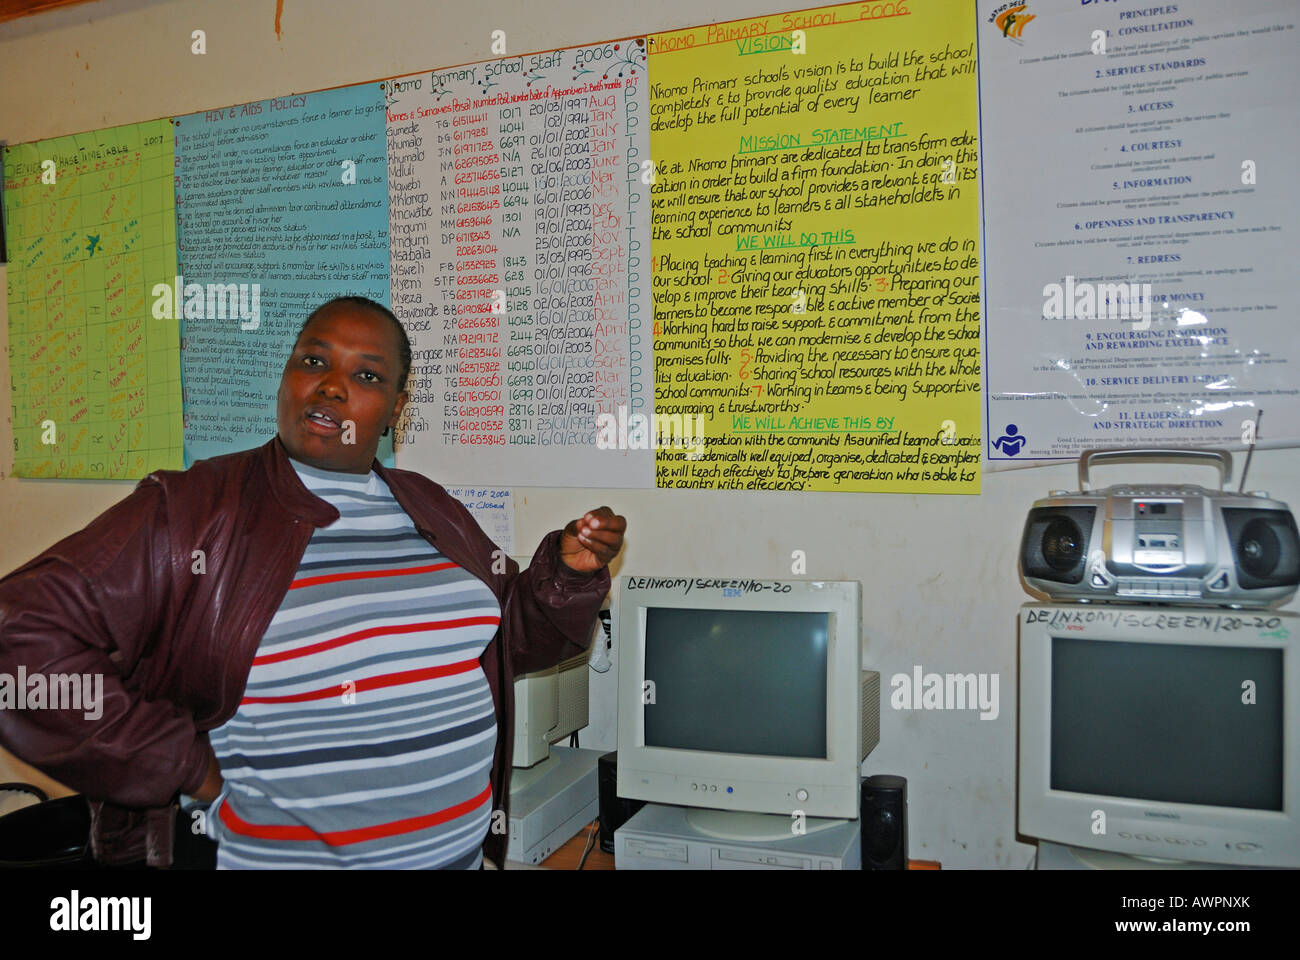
1141 218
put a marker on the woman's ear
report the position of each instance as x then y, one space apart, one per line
398 407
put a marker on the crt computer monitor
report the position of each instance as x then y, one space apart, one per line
1164 732
742 696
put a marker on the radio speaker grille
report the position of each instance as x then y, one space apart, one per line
1055 543
1265 546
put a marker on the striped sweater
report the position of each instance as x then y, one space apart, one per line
366 732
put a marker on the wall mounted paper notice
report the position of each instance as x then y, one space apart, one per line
814 224
520 252
1140 212
96 377
281 205
494 510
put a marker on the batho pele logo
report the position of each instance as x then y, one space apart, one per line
1011 19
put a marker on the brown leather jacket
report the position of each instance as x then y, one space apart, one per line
125 598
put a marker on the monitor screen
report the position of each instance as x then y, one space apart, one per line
736 681
1168 722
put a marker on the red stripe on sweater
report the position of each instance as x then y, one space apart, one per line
282 655
367 575
370 683
339 838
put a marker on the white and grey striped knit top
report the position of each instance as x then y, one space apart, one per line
366 732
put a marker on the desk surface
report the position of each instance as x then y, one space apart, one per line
567 857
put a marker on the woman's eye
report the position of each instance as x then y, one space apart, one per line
374 378
309 360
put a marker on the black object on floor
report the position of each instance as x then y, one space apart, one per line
55 835
884 823
614 811
52 835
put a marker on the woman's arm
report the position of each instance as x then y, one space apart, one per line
559 594
87 612
550 609
212 782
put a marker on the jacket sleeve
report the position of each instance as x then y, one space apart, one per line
550 610
92 606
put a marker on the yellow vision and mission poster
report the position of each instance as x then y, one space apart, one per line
815 271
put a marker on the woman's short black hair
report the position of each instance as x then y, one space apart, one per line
403 341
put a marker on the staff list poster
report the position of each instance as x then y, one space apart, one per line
1141 225
816 270
521 261
95 372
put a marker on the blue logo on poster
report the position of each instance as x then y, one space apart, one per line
1010 442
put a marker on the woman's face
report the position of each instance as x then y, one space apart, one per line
344 367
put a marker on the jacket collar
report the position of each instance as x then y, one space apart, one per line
398 490
427 521
301 502
289 489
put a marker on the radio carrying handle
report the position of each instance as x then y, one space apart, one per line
1219 458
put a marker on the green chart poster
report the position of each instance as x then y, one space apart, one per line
90 228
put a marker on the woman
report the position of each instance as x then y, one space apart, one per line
346 632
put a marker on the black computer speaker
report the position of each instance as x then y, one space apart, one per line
1054 545
884 823
614 812
1265 546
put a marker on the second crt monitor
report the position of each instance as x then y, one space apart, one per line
743 695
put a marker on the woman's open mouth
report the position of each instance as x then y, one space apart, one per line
323 422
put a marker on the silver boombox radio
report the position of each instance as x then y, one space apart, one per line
1161 543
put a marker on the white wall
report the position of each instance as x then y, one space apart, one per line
939 572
